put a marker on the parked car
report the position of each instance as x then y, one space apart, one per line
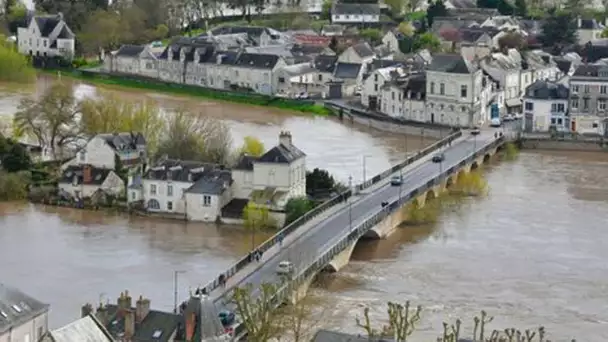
396 180
508 117
285 268
475 131
302 96
495 122
227 317
438 158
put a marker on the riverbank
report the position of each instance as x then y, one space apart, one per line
149 84
542 141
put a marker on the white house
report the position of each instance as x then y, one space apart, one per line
546 107
257 72
194 189
372 85
133 59
588 30
360 53
355 13
22 318
504 70
350 75
103 150
85 329
453 91
46 36
403 97
83 181
298 78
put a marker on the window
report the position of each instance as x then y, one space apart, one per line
206 201
529 106
560 121
375 87
601 105
553 121
157 334
574 104
575 89
603 89
595 125
442 89
83 156
586 89
561 107
169 190
585 104
153 204
44 42
236 73
169 205
393 95
432 87
375 77
133 195
554 107
463 91
152 189
320 77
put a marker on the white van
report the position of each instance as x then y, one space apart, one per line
495 122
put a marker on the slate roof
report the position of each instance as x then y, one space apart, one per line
253 31
363 50
178 170
325 63
257 61
589 70
546 90
47 24
16 308
129 50
470 35
123 140
245 162
307 49
347 70
381 63
86 329
350 9
563 64
213 183
451 63
154 321
282 154
66 33
98 175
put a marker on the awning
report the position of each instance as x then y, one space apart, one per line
513 102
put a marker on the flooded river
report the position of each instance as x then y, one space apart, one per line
531 253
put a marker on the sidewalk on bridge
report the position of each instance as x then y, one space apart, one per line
289 239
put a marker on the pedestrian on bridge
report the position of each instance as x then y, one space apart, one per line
281 237
222 280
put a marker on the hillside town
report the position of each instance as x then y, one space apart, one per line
462 67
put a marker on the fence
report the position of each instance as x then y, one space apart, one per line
342 197
359 231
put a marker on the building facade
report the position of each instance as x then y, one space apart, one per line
589 99
46 36
22 318
546 107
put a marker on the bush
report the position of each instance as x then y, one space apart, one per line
13 186
14 67
296 207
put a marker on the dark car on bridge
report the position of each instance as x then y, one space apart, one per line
226 317
438 158
396 180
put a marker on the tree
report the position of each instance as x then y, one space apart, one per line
257 217
75 13
109 113
298 322
326 10
257 312
406 29
13 186
319 181
605 33
512 40
51 119
17 17
396 6
109 22
14 67
296 207
504 7
559 29
427 41
401 322
13 156
436 9
193 136
252 146
373 35
521 8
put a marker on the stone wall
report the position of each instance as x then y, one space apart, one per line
563 145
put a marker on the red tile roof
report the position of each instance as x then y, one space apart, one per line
309 39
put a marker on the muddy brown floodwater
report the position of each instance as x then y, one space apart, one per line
532 252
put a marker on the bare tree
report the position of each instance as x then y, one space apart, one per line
193 136
52 119
257 313
402 320
299 321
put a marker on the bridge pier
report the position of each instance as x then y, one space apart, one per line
342 259
299 292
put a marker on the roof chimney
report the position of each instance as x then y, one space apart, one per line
142 308
129 324
86 310
285 138
86 174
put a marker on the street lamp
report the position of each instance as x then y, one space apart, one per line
400 183
350 204
364 167
175 274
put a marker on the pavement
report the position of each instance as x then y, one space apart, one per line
304 245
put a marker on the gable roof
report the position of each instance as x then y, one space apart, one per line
546 90
86 329
451 63
180 170
257 60
282 154
17 308
123 140
129 50
245 163
164 322
213 183
75 174
363 50
347 70
66 33
46 24
325 63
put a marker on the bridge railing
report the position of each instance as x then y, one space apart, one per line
342 197
360 230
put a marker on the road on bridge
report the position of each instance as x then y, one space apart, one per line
318 239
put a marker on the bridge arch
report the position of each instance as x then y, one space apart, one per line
486 158
474 165
449 182
431 195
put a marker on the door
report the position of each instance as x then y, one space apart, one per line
529 122
432 117
573 125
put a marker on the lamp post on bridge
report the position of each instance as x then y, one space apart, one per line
175 276
364 167
350 204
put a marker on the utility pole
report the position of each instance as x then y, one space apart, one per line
364 167
350 204
175 275
400 183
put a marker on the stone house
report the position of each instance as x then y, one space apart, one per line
83 181
257 72
22 318
373 83
456 39
103 150
355 13
325 67
453 91
46 36
298 78
359 53
391 40
588 107
504 70
403 96
132 59
546 107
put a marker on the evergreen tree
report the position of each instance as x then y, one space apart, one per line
435 9
521 8
559 29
